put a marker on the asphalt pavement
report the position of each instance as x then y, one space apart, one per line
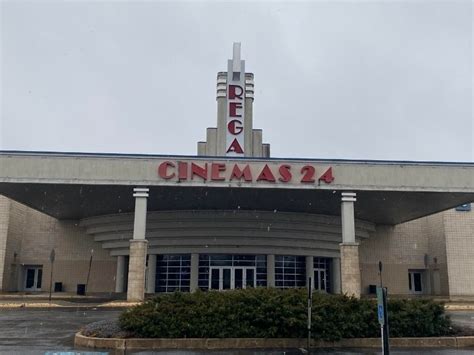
51 331
463 319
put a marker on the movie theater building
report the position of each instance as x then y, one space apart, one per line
232 217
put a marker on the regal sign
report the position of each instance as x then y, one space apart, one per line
252 172
235 101
235 119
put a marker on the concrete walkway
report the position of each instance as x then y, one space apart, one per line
41 300
64 300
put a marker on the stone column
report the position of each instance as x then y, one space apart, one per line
270 270
194 279
138 248
336 275
310 271
120 275
350 269
151 273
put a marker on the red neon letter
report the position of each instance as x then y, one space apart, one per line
266 174
216 171
235 127
233 92
235 147
238 174
199 171
233 106
308 173
327 176
163 170
182 171
285 173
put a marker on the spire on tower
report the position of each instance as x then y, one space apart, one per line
236 62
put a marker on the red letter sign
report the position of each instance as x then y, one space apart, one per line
235 127
235 147
163 170
266 174
233 89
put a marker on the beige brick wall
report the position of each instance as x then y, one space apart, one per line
437 259
4 221
27 237
459 227
401 248
31 237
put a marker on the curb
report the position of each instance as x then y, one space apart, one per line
459 307
260 343
74 305
30 305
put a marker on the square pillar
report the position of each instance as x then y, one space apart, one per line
336 275
270 270
138 248
310 271
120 275
136 270
151 273
194 278
350 269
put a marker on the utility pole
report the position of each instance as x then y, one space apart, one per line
52 257
89 271
382 314
310 305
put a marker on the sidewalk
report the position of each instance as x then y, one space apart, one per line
65 300
41 300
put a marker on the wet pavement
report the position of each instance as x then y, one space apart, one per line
51 331
463 319
36 331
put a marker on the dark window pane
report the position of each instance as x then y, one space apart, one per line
226 279
238 278
250 278
214 279
40 276
417 281
30 278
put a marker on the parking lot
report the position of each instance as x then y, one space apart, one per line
41 331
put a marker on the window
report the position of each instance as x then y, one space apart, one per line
321 280
231 271
173 272
464 208
415 281
290 271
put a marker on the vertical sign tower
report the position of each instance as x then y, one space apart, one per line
234 135
235 98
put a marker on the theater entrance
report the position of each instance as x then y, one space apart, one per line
320 279
229 278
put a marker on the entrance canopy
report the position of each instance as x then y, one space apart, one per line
75 186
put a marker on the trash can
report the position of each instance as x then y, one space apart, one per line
58 287
81 289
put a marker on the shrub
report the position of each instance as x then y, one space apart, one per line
104 329
277 313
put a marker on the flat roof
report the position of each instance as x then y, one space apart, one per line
205 157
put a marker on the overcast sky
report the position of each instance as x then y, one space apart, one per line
363 80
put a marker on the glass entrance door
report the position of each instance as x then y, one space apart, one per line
415 281
320 279
229 278
33 277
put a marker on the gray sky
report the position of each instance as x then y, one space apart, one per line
364 80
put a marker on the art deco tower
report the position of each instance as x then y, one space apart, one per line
234 135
